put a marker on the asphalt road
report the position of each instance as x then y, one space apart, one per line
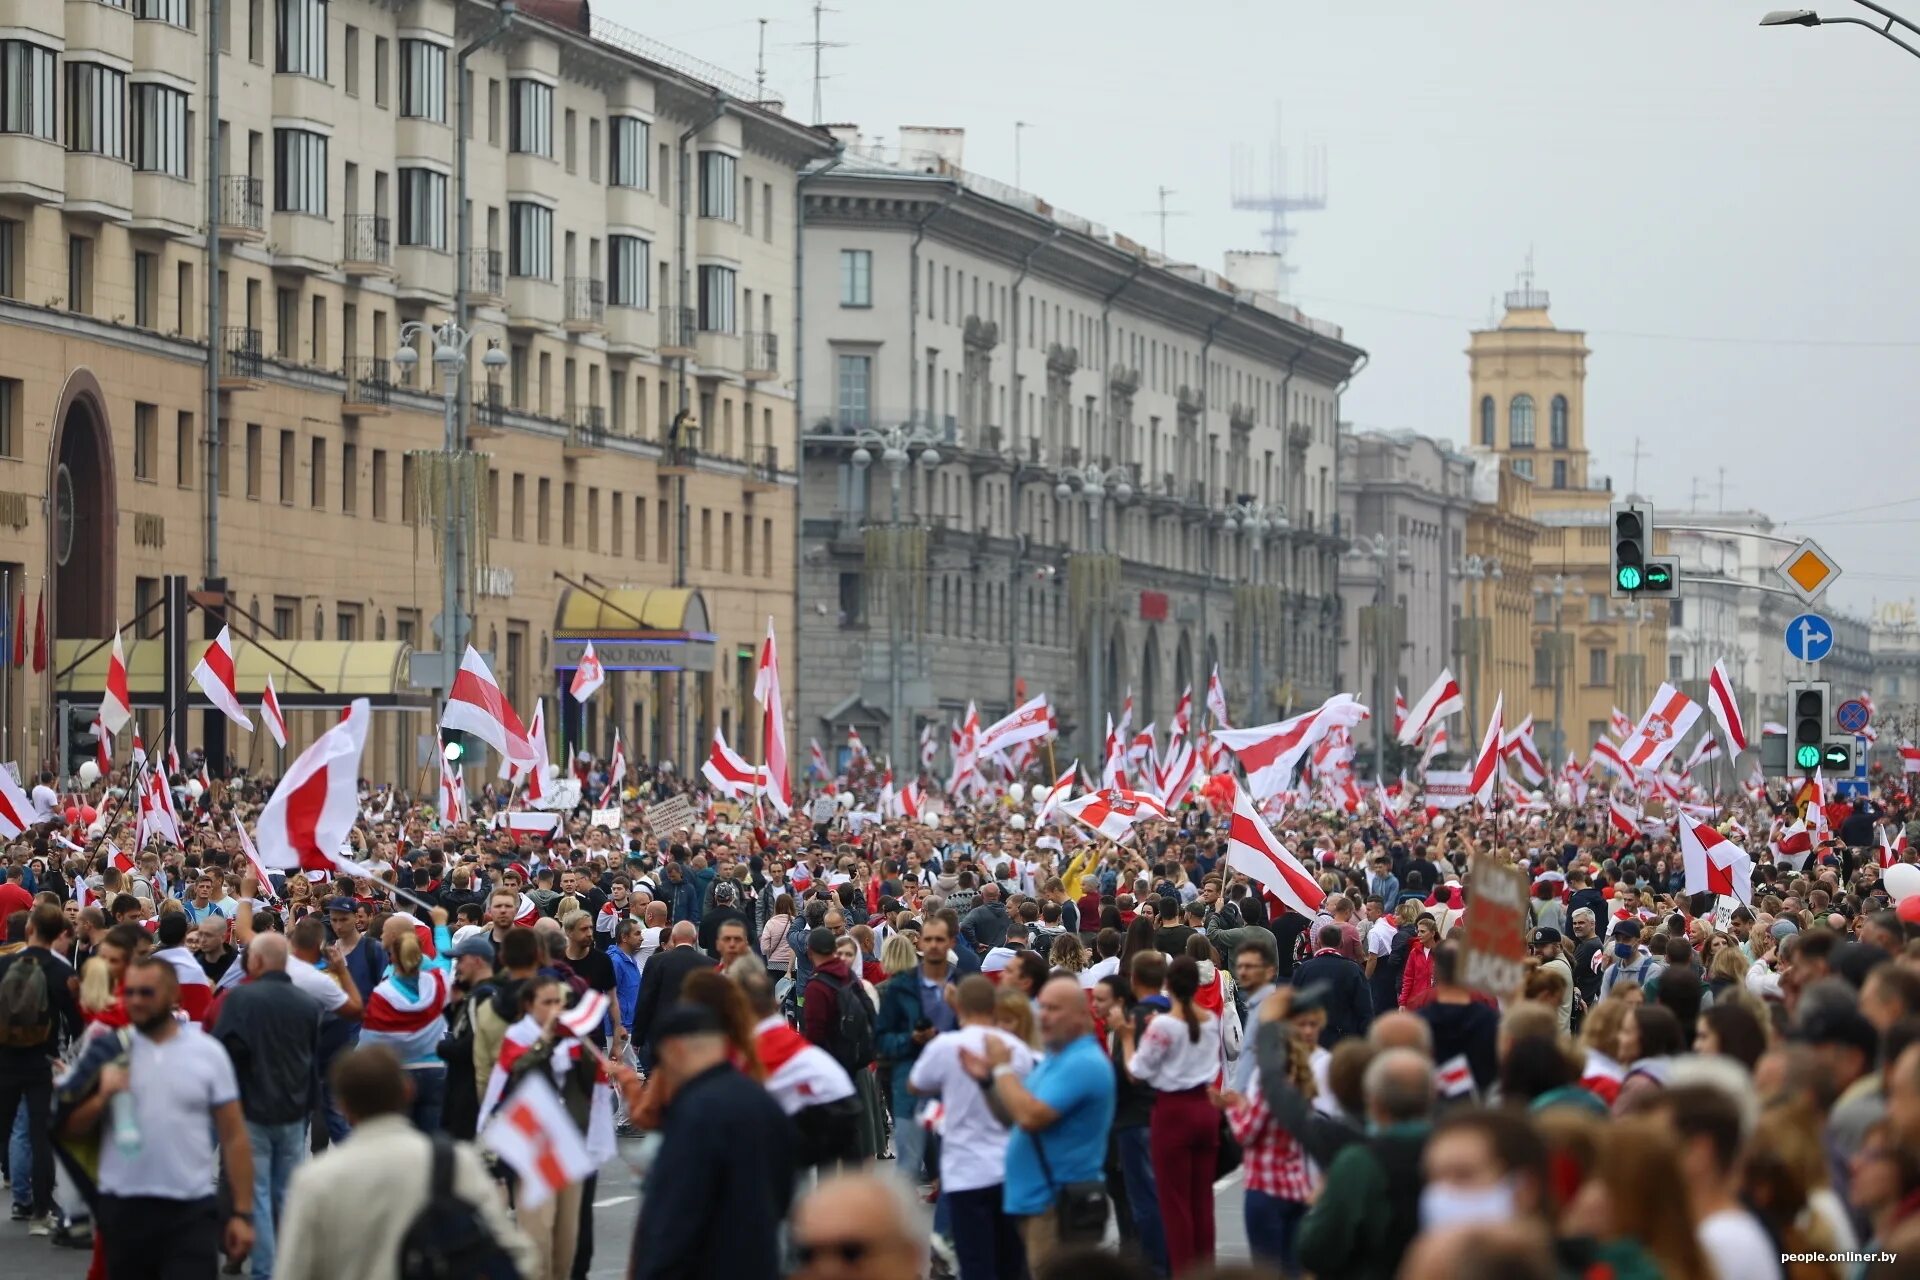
616 1205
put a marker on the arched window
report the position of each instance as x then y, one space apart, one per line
1486 421
1557 422
1520 422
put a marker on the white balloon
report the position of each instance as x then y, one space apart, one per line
89 773
1902 880
1016 792
845 799
1018 822
194 788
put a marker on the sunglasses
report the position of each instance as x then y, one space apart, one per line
144 993
849 1252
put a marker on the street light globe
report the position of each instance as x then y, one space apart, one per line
929 458
406 357
1063 491
1122 491
894 456
495 357
1280 522
1231 523
1494 572
446 355
861 458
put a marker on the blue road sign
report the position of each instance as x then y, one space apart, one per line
1850 788
1852 716
1810 637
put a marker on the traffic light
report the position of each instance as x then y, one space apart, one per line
1837 755
1632 525
455 747
82 742
1807 725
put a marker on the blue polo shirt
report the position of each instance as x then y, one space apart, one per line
1078 1084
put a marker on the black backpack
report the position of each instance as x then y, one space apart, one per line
449 1240
25 1017
852 1041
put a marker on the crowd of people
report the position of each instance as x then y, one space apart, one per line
965 1044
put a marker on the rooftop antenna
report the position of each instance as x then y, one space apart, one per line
1163 213
1638 453
1018 127
1277 196
817 45
760 69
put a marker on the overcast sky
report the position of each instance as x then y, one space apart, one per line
1719 206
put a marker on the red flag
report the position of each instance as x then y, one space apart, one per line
40 633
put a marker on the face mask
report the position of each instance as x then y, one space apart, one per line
1444 1206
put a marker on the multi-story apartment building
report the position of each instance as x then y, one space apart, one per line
1025 436
632 253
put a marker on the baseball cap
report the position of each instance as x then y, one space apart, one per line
475 944
346 905
1546 935
1628 928
1838 1024
1784 928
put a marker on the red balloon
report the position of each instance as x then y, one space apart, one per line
1910 910
88 813
72 814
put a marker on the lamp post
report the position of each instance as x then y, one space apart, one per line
1383 552
1258 521
1808 18
897 447
450 343
1558 591
1094 483
1476 569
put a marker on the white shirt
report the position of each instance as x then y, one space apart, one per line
973 1146
176 1088
1380 937
46 804
1171 1060
315 983
1737 1246
1091 975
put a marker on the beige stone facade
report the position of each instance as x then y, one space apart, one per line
103 427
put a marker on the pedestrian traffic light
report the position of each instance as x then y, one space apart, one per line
1807 724
454 746
83 741
1632 525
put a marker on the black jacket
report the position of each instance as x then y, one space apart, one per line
720 1185
1348 1003
710 923
660 985
271 1030
63 1012
1472 1029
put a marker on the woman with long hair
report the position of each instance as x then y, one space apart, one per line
406 1011
1136 1206
1785 1179
1630 1217
1734 1029
1068 955
1217 997
1179 1054
773 938
1650 1036
1140 937
1013 1014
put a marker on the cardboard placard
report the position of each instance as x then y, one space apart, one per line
1496 927
823 810
664 817
608 818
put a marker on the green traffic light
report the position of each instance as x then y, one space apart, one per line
453 751
1630 577
1837 758
1807 756
1659 577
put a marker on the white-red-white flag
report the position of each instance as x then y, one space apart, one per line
116 705
1217 701
1523 755
616 769
1112 811
1608 756
16 810
539 789
1178 774
214 674
1183 714
1253 850
1909 758
728 772
856 750
1668 719
475 705
453 794
139 749
817 760
536 1137
271 716
1399 711
1436 747
773 726
1714 864
1026 723
1441 700
1271 753
588 676
1726 707
1050 797
1708 748
929 745
307 819
253 857
585 1017
1625 820
1486 764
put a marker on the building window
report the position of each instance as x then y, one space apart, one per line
1596 666
254 449
627 152
1486 422
380 71
350 60
1557 424
299 172
146 441
1559 473
423 208
80 274
718 185
423 80
716 299
856 278
96 110
1676 614
1674 668
569 132
1543 666
178 13
855 404
146 276
1523 467
1520 422
530 240
627 270
26 89
530 118
160 135
300 46
183 444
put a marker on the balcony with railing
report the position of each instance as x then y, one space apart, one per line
677 328
242 208
489 410
369 389
368 250
241 361
586 430
486 273
763 468
760 360
586 303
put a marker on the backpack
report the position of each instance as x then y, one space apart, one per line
26 1019
852 1041
448 1239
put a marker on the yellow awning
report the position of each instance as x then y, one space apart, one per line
306 673
631 613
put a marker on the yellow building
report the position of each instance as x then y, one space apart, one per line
633 256
1589 652
1497 633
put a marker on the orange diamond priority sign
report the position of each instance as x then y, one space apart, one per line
1808 570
